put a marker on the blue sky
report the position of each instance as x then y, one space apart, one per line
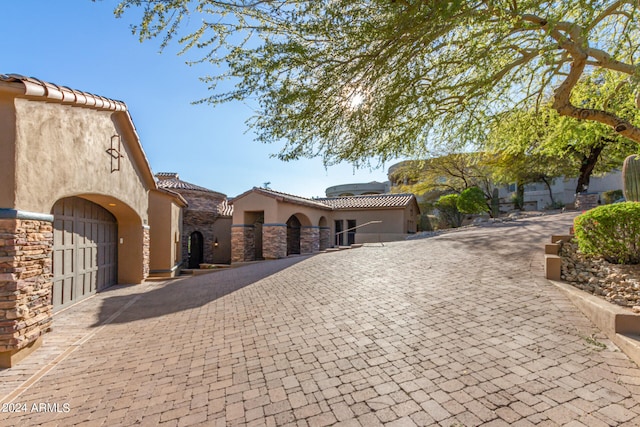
80 44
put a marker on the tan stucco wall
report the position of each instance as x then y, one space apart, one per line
392 220
55 150
253 202
7 152
306 215
222 231
396 223
276 212
165 220
61 151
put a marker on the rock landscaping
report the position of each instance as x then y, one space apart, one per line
616 283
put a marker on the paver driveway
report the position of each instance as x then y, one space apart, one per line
459 329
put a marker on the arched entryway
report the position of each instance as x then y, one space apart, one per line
85 250
196 249
293 235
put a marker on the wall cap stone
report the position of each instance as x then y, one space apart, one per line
6 213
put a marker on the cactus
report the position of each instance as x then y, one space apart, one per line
495 203
631 178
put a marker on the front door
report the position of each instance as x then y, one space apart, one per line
293 235
196 249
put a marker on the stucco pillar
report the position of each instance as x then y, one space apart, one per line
325 238
309 239
26 243
243 243
274 241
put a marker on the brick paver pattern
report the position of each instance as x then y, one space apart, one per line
456 330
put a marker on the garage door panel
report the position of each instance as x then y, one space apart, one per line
85 250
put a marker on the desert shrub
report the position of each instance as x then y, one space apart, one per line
448 210
518 201
611 196
427 222
611 231
472 201
555 205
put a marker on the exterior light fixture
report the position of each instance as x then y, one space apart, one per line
215 243
115 153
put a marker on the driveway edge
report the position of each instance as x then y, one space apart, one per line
619 325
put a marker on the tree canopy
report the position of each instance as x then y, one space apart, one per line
357 80
562 146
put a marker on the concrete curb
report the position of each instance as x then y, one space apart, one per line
621 326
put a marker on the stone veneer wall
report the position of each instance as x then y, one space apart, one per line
274 241
200 215
201 221
146 251
586 201
243 247
309 239
325 238
25 281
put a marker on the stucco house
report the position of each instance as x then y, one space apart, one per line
268 224
80 210
206 222
74 205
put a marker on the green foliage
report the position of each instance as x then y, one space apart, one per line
444 174
611 196
427 222
472 201
631 178
611 231
356 80
518 201
448 210
541 142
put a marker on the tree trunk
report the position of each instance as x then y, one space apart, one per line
548 184
519 202
588 164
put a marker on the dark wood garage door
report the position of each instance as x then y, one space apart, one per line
84 250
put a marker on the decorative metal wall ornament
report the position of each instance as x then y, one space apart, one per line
114 152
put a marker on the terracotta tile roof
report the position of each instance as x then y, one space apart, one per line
175 195
63 94
284 197
379 201
368 201
225 208
172 181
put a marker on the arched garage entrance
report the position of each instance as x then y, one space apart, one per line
85 250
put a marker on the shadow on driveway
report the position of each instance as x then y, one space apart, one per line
179 295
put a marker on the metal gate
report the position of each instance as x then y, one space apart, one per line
84 250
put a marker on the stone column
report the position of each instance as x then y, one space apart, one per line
274 241
146 250
325 238
26 243
309 239
242 243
